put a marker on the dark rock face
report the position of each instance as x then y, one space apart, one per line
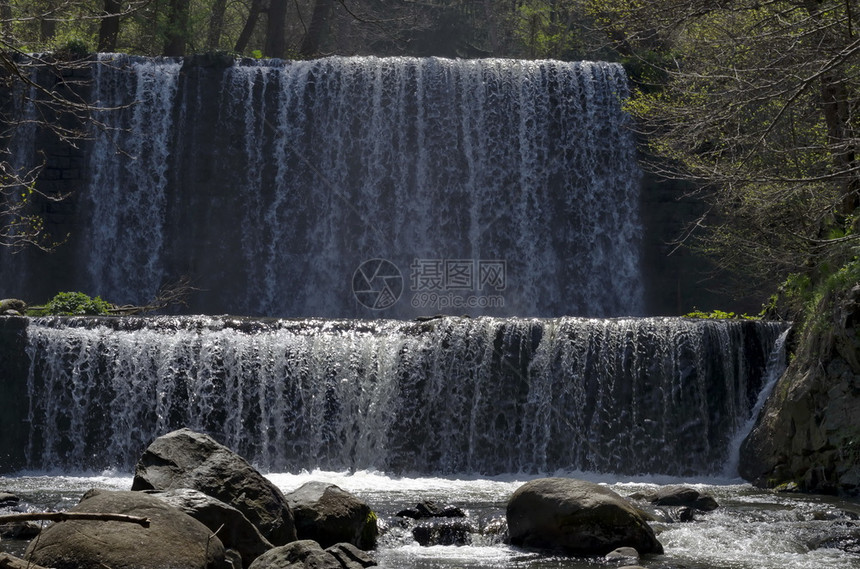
232 527
328 515
444 531
174 540
684 496
186 459
808 431
429 509
681 496
577 518
307 554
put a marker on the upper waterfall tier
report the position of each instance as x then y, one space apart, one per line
496 187
449 395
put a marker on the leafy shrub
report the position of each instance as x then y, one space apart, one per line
76 304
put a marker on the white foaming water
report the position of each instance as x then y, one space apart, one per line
275 184
650 395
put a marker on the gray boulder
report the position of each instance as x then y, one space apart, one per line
173 540
7 499
300 554
351 557
186 459
623 555
328 515
12 306
684 496
576 518
229 524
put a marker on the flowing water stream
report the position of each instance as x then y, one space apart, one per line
752 529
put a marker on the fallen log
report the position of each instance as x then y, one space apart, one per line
10 562
63 516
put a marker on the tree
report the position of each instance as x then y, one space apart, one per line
756 104
109 26
178 31
41 95
276 39
316 29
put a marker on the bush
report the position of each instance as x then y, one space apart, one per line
76 304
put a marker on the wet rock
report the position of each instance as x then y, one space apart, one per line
576 517
7 499
173 540
350 556
232 527
623 555
429 509
807 432
11 562
12 306
307 554
328 515
20 530
443 531
186 459
684 496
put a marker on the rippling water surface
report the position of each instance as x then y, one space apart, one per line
752 529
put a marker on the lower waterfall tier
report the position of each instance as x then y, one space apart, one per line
446 395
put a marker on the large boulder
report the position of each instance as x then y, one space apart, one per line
307 554
228 523
173 540
187 459
328 515
576 518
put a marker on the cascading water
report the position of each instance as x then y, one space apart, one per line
271 182
449 395
129 159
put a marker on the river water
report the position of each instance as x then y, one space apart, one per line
752 529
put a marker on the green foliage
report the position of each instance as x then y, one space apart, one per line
74 48
72 304
718 315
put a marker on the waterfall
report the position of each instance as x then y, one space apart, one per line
497 187
447 395
127 201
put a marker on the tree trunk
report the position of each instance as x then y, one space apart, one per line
109 26
47 29
216 25
276 40
316 29
250 23
6 17
177 28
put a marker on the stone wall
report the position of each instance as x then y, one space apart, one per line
14 363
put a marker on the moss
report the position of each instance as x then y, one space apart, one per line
719 315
